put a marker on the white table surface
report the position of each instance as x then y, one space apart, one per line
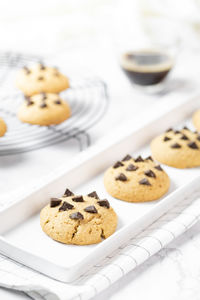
174 272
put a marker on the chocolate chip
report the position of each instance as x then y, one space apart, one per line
27 70
127 157
168 130
42 66
93 195
185 127
44 96
56 74
175 146
28 101
150 173
121 177
68 193
149 158
104 203
184 137
78 199
159 168
166 138
144 181
57 102
139 159
55 202
40 78
91 209
76 216
198 138
43 105
131 167
193 145
66 206
118 164
177 132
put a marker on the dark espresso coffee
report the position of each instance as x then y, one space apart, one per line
146 67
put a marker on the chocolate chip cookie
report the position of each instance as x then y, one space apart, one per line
40 78
77 219
44 109
136 179
177 148
196 119
3 127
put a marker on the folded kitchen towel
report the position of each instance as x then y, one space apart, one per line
126 258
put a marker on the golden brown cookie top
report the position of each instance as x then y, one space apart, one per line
181 139
177 148
136 179
44 100
78 207
146 168
44 109
40 78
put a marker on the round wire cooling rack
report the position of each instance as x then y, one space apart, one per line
87 98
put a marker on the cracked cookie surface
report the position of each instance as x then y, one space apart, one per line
39 78
44 109
177 148
136 180
79 220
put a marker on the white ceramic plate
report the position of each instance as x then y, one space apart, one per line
21 236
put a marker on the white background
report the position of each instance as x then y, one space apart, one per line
87 34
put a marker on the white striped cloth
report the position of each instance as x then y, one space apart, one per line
113 267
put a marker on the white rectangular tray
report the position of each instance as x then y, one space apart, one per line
21 236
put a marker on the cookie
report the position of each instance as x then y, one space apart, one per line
136 180
3 127
79 220
177 148
196 119
39 78
44 109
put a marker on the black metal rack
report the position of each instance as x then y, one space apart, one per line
87 98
